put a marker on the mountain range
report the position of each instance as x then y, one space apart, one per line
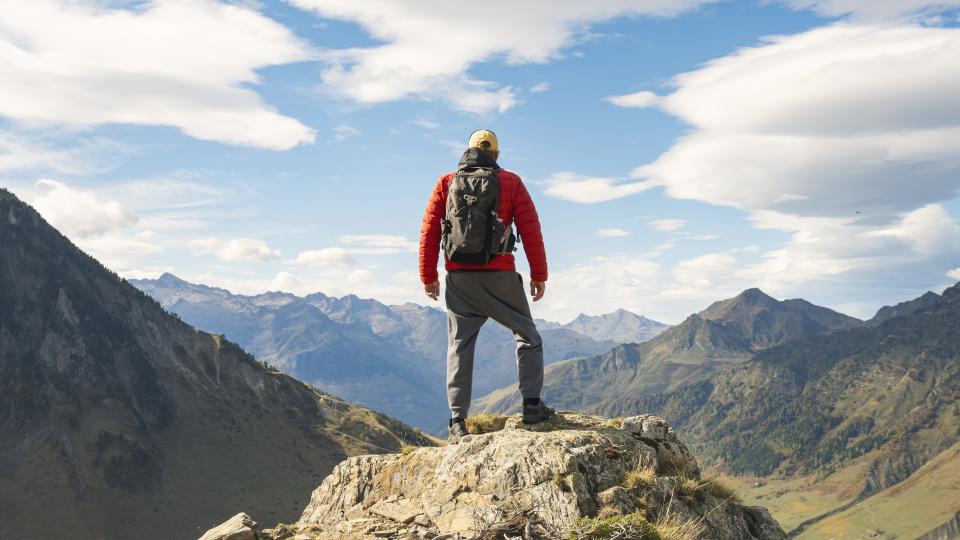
118 420
348 346
851 414
885 396
725 334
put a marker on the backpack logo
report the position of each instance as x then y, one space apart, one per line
472 230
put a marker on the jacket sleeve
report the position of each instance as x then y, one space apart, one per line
430 233
528 223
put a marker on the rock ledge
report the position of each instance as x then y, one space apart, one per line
538 479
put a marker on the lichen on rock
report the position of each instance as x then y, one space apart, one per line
553 475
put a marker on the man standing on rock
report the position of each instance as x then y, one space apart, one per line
470 215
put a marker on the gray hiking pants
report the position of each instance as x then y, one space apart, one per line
472 297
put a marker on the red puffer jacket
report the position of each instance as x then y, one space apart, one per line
515 206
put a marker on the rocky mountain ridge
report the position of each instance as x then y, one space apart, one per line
115 415
575 476
820 401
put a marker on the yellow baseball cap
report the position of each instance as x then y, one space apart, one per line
484 139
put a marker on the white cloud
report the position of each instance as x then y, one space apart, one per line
955 273
600 284
378 244
613 233
242 249
409 63
929 231
586 190
638 99
333 256
705 276
186 64
847 137
667 224
540 87
80 214
343 132
164 193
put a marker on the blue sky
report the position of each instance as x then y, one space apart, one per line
678 151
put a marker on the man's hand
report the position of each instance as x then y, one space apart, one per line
432 290
537 288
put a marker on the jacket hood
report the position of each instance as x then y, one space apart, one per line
474 157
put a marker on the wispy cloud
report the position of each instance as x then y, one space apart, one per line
540 87
667 224
426 124
876 10
406 65
613 233
588 190
378 244
344 132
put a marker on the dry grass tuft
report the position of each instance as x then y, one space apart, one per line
670 526
673 527
616 423
485 423
689 486
407 449
608 512
718 489
710 486
644 477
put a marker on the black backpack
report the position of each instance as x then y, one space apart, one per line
472 230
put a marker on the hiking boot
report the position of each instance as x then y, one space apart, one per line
537 412
458 428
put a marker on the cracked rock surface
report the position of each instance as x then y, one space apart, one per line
558 471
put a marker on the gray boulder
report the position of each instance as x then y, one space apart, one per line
239 527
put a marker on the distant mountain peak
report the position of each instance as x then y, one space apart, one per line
167 278
621 326
754 295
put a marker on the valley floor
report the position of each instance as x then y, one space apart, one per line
930 497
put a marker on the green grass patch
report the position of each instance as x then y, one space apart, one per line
606 527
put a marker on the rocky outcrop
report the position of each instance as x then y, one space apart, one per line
239 527
540 481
